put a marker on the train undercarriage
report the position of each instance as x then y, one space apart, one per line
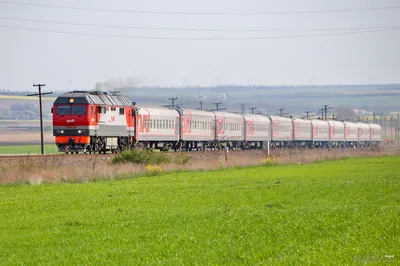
101 144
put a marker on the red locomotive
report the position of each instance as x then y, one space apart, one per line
92 121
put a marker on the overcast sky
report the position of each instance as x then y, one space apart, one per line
68 61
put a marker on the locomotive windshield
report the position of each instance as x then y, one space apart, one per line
63 110
68 110
78 110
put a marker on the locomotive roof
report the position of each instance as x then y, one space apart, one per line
93 97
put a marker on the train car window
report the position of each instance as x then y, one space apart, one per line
63 110
78 110
121 111
91 110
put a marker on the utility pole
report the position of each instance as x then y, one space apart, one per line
307 112
201 105
325 109
252 109
391 128
398 128
242 108
217 106
41 112
281 113
173 101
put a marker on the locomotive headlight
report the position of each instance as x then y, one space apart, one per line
79 131
62 131
71 100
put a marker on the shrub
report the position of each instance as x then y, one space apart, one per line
270 161
182 158
154 169
141 157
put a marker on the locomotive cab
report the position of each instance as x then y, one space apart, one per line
72 117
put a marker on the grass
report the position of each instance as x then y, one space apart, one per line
28 149
337 213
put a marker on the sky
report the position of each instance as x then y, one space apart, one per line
140 57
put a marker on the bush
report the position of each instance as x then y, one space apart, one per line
154 170
182 158
269 161
141 157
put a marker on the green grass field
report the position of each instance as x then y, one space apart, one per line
28 149
337 213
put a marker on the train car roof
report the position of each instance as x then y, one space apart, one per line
334 122
375 126
157 110
197 112
320 122
279 118
363 125
256 117
301 120
93 97
227 115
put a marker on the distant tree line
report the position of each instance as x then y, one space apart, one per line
21 111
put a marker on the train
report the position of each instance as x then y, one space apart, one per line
99 122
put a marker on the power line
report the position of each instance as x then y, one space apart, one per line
195 29
205 13
202 38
